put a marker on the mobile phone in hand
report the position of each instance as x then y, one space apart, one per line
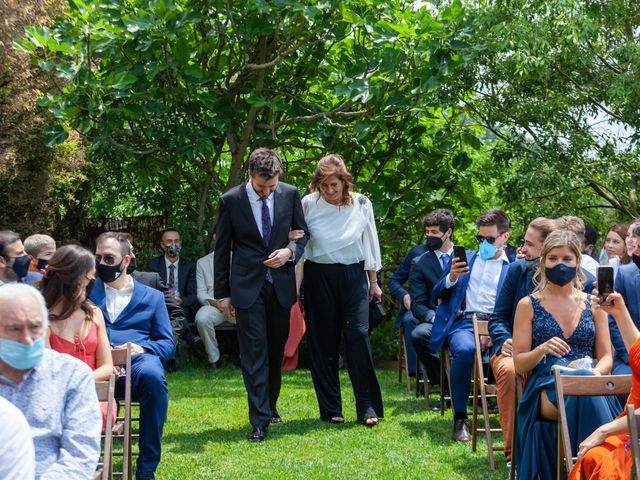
605 284
460 253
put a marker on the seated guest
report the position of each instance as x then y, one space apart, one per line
153 280
405 318
577 226
17 457
209 314
14 261
178 273
556 326
426 270
76 325
56 393
136 314
517 285
615 247
466 290
606 452
626 284
40 249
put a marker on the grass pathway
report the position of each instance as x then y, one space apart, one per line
205 435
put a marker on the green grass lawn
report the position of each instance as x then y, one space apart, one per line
205 435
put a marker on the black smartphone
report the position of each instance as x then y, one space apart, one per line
460 253
605 284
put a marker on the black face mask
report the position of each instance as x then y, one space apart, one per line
132 266
21 265
561 274
109 273
42 263
89 288
636 259
434 243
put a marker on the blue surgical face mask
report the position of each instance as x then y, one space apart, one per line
487 250
21 356
560 274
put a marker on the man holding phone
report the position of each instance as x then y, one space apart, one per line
470 287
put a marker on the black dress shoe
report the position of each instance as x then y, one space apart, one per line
258 434
460 430
211 367
275 417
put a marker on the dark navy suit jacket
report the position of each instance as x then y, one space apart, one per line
627 284
517 284
144 320
401 276
426 271
452 300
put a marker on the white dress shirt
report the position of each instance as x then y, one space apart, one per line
117 300
344 234
482 290
256 206
590 265
440 253
17 457
167 263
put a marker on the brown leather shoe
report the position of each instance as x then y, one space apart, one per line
460 430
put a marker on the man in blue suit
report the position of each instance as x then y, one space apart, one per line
466 290
137 314
628 285
426 270
406 318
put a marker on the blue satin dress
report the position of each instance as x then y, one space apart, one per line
537 439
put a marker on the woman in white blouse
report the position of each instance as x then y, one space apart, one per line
341 261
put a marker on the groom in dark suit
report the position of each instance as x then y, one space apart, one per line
257 282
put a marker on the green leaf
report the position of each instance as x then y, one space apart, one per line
55 135
461 161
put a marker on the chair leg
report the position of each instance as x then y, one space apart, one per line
405 364
474 418
399 351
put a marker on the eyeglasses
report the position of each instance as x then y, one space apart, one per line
106 259
481 238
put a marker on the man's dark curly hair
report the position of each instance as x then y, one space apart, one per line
265 163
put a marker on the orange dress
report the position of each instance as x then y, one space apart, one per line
85 350
611 460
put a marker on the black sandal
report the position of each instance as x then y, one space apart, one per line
336 419
370 418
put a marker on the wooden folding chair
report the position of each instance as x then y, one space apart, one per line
633 422
582 386
403 364
106 393
482 389
122 357
445 370
514 430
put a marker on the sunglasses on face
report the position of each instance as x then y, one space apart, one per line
481 238
106 259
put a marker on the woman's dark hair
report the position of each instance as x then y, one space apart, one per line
62 283
333 164
621 229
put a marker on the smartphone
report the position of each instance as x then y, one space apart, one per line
460 253
605 284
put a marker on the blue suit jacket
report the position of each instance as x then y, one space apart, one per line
144 320
426 271
452 299
628 285
400 277
517 285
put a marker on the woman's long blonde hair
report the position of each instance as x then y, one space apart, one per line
560 238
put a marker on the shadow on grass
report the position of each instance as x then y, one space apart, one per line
188 442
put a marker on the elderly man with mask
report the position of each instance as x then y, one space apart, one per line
137 314
14 261
55 392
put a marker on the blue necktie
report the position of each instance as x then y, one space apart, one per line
446 262
266 232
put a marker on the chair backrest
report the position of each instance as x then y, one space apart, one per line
106 393
122 357
480 329
633 422
580 385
